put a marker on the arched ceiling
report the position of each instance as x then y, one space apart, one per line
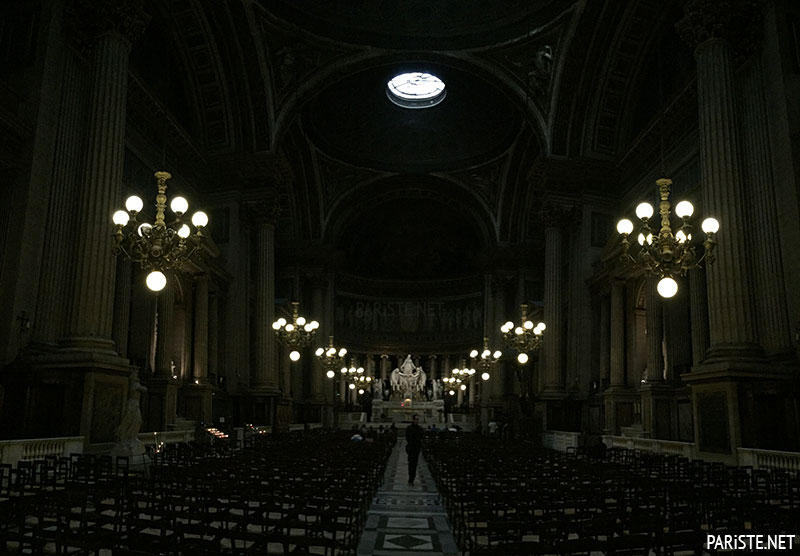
541 100
353 120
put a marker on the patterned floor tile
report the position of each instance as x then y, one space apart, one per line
406 519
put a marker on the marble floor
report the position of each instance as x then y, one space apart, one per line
404 519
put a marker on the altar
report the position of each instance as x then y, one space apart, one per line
408 396
400 411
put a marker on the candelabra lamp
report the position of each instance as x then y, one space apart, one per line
666 254
458 378
159 246
484 361
331 357
355 375
296 334
525 338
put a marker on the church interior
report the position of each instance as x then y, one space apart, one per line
244 243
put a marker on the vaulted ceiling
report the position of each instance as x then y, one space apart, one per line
287 100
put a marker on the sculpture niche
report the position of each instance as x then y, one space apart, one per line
408 380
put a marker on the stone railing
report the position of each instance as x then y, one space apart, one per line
295 427
667 447
561 440
166 437
349 418
14 451
769 459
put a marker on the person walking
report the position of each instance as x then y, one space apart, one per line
414 435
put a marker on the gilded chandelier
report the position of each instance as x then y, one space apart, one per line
485 361
665 254
159 246
458 377
355 376
296 334
524 338
331 357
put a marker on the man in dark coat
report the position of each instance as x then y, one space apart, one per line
414 444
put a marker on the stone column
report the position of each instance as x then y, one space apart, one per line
553 309
369 368
200 345
115 25
432 367
698 312
384 366
617 355
605 345
122 306
459 395
55 285
265 374
165 325
318 283
498 291
709 26
472 382
773 329
213 334
655 333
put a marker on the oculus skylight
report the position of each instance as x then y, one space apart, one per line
416 90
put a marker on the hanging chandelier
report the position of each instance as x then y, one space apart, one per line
665 254
296 334
331 358
159 246
524 338
485 361
354 375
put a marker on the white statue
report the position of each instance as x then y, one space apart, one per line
408 379
437 388
377 389
127 432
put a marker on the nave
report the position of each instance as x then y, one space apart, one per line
321 493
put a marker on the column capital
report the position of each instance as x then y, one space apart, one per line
738 22
559 216
90 19
256 213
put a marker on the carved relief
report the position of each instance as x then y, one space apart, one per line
336 177
485 179
89 19
737 21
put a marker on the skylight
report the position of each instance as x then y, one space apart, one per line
416 90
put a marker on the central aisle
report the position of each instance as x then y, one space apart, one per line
406 519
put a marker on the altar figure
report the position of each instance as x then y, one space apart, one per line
408 379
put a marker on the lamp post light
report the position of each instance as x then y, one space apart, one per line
666 254
296 334
159 246
524 338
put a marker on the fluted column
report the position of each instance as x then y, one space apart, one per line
553 311
385 366
122 306
471 387
655 333
165 325
499 284
709 26
200 344
432 367
55 284
265 373
698 312
604 339
91 316
617 355
774 332
213 334
318 306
